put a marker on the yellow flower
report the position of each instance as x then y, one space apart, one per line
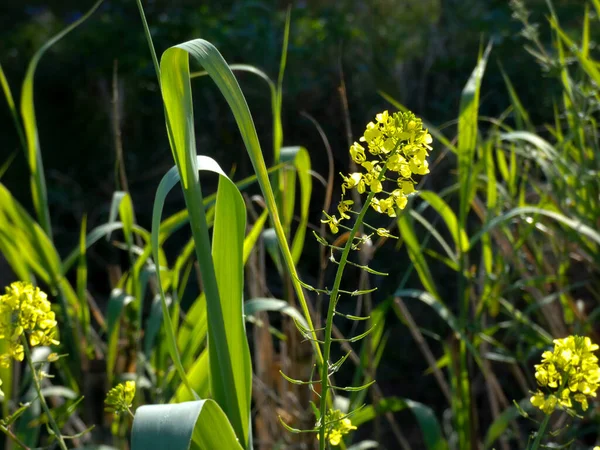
25 311
569 372
343 207
337 425
333 223
384 232
357 152
120 398
354 180
399 146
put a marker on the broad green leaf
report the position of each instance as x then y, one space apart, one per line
198 425
199 378
228 348
175 72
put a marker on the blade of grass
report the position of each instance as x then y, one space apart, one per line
34 154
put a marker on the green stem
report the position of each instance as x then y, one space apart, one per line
149 39
38 389
331 313
6 430
540 433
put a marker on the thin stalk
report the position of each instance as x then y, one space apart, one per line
149 40
330 315
540 433
6 430
38 389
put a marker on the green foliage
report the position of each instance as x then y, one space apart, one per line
501 242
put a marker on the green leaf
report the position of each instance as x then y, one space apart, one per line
116 304
416 255
468 121
199 378
301 163
257 305
230 365
443 209
175 70
430 428
198 425
34 155
84 318
574 224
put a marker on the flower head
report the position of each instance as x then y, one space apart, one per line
25 310
120 398
569 372
337 425
396 149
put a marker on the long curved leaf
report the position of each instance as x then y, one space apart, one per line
198 425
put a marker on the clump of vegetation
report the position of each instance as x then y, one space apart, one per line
503 247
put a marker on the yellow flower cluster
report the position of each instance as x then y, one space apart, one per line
25 310
398 144
120 398
338 425
569 372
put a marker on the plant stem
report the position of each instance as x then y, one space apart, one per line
38 389
540 433
6 430
149 39
333 301
331 312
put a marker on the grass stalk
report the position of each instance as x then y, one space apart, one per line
38 390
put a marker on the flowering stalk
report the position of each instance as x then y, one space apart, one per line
399 144
27 320
330 314
569 373
38 389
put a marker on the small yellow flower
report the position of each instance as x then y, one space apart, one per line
333 223
357 152
343 207
120 398
337 425
383 232
569 372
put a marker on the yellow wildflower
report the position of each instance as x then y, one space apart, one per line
343 207
333 223
25 310
120 398
357 152
569 372
399 146
337 425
